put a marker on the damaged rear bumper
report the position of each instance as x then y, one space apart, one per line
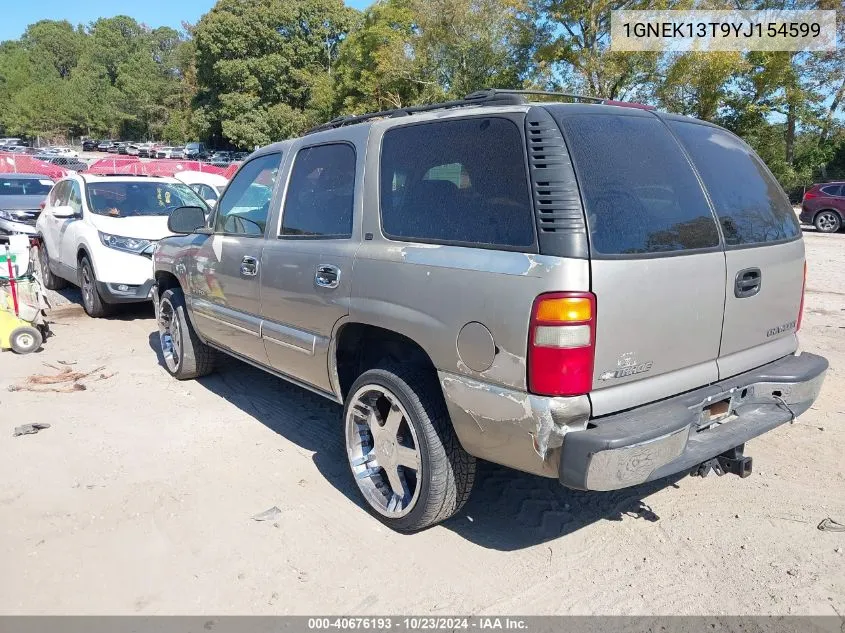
677 434
509 427
555 437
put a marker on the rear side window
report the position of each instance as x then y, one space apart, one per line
461 181
832 190
751 206
640 193
321 193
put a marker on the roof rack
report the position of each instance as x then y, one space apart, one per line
486 97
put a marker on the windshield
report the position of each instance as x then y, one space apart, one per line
124 199
25 186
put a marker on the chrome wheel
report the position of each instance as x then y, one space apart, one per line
170 334
827 222
383 451
87 288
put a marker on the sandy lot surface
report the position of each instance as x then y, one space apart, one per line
139 499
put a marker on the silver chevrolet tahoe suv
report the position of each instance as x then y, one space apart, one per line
602 294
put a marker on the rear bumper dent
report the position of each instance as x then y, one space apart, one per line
675 435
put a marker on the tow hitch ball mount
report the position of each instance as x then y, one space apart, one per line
732 461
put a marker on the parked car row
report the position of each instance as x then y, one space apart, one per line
192 151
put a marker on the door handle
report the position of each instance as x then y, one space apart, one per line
249 266
327 276
748 282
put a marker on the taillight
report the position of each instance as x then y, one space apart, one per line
801 306
561 344
810 195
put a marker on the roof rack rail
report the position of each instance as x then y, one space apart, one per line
486 97
488 94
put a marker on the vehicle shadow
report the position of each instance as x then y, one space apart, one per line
122 312
508 510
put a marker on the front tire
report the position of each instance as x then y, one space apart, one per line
827 222
25 340
92 301
51 281
185 355
402 449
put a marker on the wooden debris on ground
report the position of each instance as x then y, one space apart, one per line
66 381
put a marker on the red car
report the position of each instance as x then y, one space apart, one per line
824 206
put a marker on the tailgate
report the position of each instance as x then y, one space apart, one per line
763 250
657 265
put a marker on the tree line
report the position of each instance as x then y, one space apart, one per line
251 72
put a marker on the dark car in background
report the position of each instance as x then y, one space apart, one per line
220 158
823 206
21 196
104 146
90 145
196 151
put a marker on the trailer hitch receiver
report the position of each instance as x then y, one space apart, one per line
732 461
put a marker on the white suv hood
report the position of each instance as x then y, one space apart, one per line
151 227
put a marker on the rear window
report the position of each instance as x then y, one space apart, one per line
25 186
461 181
640 194
832 190
751 206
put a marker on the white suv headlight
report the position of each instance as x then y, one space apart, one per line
128 244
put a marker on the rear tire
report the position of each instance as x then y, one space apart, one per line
403 452
93 303
25 340
185 355
827 222
51 281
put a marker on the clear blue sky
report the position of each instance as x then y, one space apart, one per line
15 15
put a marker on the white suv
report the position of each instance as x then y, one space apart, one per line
99 232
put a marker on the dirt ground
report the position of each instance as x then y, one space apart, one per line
139 499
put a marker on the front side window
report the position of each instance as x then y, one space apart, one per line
204 191
751 206
59 194
462 181
244 208
640 194
75 197
321 193
119 199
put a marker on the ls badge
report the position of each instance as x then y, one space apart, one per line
626 366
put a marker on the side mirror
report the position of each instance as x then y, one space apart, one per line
186 220
63 211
